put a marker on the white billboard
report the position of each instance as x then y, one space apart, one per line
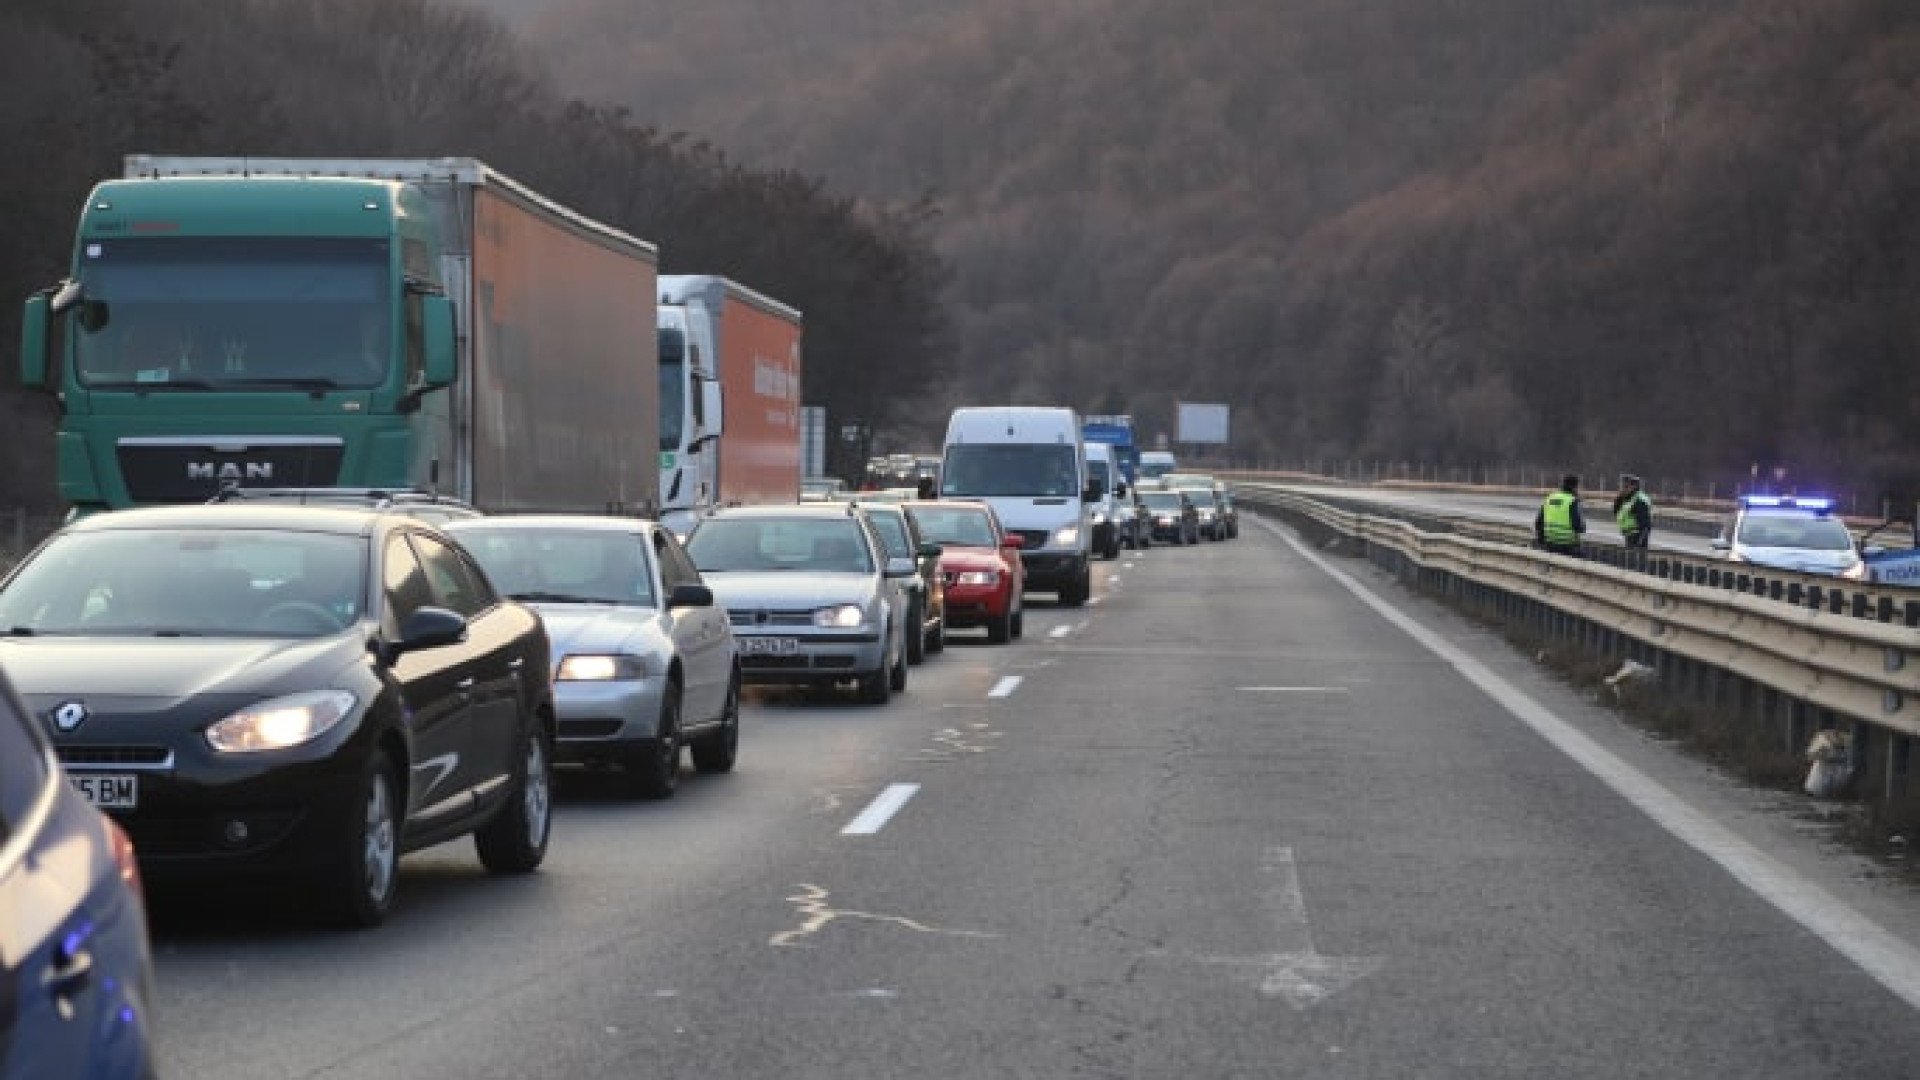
1196 423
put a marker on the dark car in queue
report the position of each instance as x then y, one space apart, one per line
1173 516
643 660
926 591
979 563
299 692
76 973
1229 514
812 596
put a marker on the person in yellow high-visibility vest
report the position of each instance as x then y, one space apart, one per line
1633 512
1558 526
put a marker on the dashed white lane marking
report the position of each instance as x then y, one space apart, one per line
880 810
1060 631
1006 686
1094 602
1126 566
1294 689
1884 956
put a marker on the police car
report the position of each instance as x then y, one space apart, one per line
1787 532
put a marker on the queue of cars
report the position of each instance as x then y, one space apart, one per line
305 685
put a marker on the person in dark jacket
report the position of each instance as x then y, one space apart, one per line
1633 511
1558 526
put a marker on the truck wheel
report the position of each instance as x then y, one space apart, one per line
515 841
916 634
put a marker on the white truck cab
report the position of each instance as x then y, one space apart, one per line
1029 464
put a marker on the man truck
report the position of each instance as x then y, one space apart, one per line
377 323
730 430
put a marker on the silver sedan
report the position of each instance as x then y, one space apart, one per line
644 660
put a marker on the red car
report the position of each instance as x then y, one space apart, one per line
980 562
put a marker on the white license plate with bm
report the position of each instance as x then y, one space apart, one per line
109 791
769 646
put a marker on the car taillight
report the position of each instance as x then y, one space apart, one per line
123 857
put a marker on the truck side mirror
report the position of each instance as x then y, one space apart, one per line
33 343
714 404
442 364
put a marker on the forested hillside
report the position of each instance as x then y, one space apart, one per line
83 82
1666 234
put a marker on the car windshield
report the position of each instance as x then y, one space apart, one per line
965 528
1161 500
817 545
594 566
893 533
1791 531
1010 469
171 313
1097 470
189 583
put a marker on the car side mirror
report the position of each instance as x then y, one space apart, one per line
930 550
901 566
1720 543
1012 541
430 628
690 596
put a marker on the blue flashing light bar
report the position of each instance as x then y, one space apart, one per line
1791 502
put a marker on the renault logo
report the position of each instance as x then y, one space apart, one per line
69 715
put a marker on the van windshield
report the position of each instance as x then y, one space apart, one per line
1010 469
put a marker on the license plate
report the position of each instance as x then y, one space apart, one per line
769 646
108 791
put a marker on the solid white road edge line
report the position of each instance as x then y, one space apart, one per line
1888 958
1006 686
880 810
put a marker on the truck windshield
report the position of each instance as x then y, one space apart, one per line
673 387
1010 469
299 313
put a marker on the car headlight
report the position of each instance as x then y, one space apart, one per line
1856 571
840 616
1206 515
1099 518
977 577
591 667
1068 536
281 723
1163 519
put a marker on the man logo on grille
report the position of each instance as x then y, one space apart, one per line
69 715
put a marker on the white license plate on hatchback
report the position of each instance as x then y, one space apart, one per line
109 791
769 646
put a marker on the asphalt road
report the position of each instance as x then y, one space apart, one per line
1229 821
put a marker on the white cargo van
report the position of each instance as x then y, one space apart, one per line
1155 464
1104 511
1029 465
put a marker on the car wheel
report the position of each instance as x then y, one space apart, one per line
515 841
1019 620
1075 592
364 868
937 637
715 752
653 770
897 678
876 688
1000 627
916 635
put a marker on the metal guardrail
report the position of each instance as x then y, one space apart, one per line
1856 668
1822 592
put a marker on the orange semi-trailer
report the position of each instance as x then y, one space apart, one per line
729 397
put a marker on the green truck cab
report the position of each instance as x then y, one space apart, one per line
379 324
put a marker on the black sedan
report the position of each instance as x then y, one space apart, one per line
289 691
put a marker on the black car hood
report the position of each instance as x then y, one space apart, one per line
172 669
